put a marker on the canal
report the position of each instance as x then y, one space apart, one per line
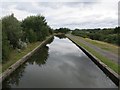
58 64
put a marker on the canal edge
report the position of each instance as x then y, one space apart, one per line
14 66
108 71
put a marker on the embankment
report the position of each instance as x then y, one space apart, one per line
13 67
109 72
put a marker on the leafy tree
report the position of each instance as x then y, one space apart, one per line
117 30
11 26
31 35
5 48
38 24
16 34
62 30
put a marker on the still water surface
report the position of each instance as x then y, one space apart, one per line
59 64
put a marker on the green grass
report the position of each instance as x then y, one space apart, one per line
114 66
15 56
103 45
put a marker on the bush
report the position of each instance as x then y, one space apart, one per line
16 34
31 35
11 26
5 48
107 35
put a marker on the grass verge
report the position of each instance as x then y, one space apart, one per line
103 45
114 66
15 56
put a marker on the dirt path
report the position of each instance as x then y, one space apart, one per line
105 53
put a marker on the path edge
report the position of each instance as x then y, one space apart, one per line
108 71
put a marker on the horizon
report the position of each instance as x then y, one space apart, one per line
82 15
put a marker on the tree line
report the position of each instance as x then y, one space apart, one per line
18 34
62 30
110 35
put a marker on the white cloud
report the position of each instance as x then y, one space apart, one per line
60 1
79 14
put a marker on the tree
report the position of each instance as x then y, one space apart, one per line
62 30
38 24
11 26
117 30
15 34
31 35
5 48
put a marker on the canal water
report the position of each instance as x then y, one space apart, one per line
58 64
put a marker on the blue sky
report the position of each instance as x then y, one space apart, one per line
66 13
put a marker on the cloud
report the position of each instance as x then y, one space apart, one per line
61 1
77 14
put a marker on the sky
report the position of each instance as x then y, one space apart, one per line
66 13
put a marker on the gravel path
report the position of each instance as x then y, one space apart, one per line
105 53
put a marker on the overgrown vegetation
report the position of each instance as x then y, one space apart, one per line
17 35
110 35
62 30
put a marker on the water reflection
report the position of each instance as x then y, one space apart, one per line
60 64
38 58
14 77
41 57
61 36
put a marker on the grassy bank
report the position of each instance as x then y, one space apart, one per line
114 66
15 56
103 45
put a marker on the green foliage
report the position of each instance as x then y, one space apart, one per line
11 33
31 29
50 30
117 30
38 24
62 30
107 35
5 48
11 26
31 35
